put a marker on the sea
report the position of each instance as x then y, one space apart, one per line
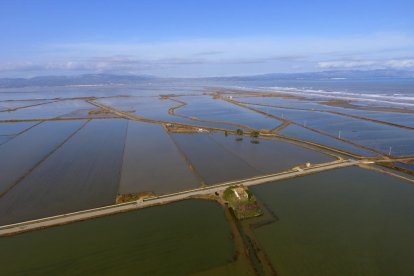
393 92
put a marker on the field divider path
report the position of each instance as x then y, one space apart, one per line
27 106
16 228
56 119
44 158
129 116
334 113
301 125
186 159
172 112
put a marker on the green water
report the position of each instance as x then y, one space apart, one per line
177 239
343 222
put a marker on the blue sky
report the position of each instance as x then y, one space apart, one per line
203 38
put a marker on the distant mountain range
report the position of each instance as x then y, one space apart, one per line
339 74
105 79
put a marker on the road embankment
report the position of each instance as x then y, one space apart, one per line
13 229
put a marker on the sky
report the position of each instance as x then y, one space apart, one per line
203 38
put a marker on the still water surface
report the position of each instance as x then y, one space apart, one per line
81 174
178 239
343 222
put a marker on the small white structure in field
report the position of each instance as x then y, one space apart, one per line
240 193
297 168
308 164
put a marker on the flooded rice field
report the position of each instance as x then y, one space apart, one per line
49 110
61 151
284 101
214 163
152 163
218 158
270 156
12 129
164 240
343 222
22 153
403 117
308 135
157 108
61 154
9 106
4 139
208 108
374 135
82 173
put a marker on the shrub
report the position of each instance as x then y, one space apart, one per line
254 134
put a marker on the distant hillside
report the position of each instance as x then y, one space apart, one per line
348 74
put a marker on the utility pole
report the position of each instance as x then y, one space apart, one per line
389 153
339 135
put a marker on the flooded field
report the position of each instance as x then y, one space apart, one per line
270 156
218 158
4 139
61 153
22 153
152 163
409 166
343 222
164 240
306 134
156 108
11 129
12 105
282 102
401 118
362 132
49 110
213 162
207 108
82 173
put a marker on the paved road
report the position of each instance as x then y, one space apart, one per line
103 211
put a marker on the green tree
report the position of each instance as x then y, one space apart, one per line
254 134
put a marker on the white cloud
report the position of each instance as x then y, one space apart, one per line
401 63
368 64
345 64
219 56
251 47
